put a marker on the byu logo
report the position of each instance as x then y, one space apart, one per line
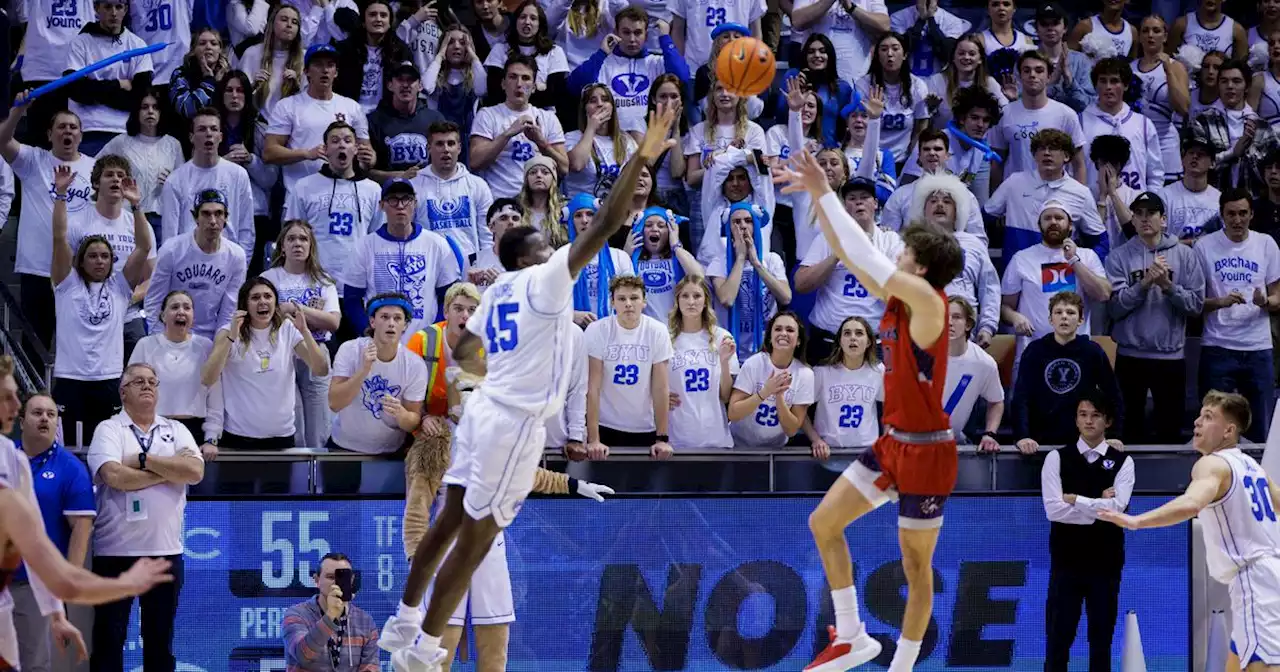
1062 375
1206 41
1108 464
629 84
374 388
407 148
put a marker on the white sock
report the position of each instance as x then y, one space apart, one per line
428 644
408 613
904 658
845 600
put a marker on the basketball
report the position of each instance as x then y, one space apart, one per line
745 66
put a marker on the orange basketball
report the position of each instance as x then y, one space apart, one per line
745 66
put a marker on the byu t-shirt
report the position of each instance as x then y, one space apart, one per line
763 429
628 356
700 421
846 404
506 174
362 426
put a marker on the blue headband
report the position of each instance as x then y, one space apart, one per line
390 301
581 201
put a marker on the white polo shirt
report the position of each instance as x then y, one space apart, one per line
146 522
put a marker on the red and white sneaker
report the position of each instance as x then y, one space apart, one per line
845 654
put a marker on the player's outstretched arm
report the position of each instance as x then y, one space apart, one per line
21 521
617 205
877 272
1210 479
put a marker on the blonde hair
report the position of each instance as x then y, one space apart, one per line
457 289
675 318
613 129
1232 405
315 271
557 231
739 115
584 17
468 82
288 87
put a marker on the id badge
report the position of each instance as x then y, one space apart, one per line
135 508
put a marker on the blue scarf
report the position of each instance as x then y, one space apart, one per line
604 262
637 229
755 294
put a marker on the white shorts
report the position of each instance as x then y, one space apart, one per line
502 448
1255 612
488 598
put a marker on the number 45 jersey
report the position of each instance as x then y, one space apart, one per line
1241 527
523 322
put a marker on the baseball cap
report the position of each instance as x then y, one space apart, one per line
397 187
726 27
858 184
1148 200
210 196
1050 12
319 50
406 68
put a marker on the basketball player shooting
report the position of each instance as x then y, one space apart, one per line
915 461
1235 502
522 323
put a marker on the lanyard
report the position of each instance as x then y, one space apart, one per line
145 443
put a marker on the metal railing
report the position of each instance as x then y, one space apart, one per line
30 376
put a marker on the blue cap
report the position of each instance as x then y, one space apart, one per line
319 50
726 27
859 183
397 186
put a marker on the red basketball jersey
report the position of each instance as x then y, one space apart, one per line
913 377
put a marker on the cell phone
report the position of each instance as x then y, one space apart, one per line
345 579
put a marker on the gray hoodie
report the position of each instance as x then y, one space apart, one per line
1151 323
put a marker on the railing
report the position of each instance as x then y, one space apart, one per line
29 376
307 472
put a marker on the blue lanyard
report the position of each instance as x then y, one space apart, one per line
145 443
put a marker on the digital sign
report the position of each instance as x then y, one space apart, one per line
671 583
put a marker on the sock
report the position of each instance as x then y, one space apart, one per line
408 613
904 659
848 625
428 644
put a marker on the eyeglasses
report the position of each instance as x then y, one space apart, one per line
143 383
399 201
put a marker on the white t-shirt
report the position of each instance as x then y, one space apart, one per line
303 119
299 288
1037 273
34 169
702 16
258 385
700 421
506 174
177 367
362 426
147 521
340 213
628 356
696 145
763 429
86 49
846 404
842 295
898 120
853 45
1018 124
118 232
415 267
746 320
1250 264
972 375
598 176
51 25
1189 211
90 334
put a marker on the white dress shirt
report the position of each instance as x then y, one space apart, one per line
1085 510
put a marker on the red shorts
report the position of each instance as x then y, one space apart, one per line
913 468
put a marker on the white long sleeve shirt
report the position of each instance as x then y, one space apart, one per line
1086 509
178 200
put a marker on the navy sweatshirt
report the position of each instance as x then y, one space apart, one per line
1051 379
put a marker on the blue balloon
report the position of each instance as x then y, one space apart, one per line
989 154
91 68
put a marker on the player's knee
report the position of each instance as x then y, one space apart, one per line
917 569
824 525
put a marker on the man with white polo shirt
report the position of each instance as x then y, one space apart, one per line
296 125
1110 115
971 374
207 170
505 136
1028 115
1020 197
142 464
33 166
1242 290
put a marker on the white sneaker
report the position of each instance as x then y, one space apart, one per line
397 634
410 659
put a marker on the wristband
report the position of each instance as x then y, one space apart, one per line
573 485
662 438
989 433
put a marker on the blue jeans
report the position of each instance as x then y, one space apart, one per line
1247 372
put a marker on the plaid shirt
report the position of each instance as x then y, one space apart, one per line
315 643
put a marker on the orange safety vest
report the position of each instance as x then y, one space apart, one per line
429 344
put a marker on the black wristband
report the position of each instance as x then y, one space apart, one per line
664 438
573 485
990 433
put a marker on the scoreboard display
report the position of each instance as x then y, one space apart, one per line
669 583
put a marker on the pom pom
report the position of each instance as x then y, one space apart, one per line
1098 45
1259 56
1190 56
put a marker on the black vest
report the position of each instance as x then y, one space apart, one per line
1101 545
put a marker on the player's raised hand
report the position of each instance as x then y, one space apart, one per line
656 140
594 490
802 173
1122 519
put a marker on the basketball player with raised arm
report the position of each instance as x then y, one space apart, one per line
23 539
915 461
1236 503
523 324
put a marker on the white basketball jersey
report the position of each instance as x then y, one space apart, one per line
1241 527
1269 101
1209 39
1122 40
523 322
